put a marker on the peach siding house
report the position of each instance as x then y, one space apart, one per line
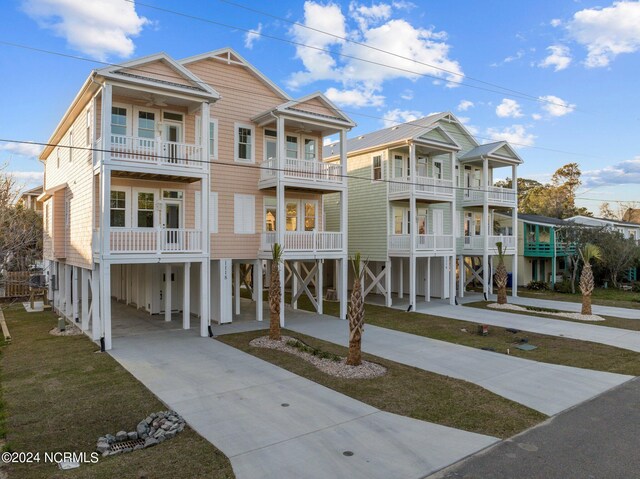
147 204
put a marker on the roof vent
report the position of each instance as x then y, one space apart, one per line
394 128
360 137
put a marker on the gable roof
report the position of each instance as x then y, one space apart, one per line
193 84
543 220
496 150
230 56
596 219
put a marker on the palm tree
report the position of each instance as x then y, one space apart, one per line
588 252
356 313
501 277
275 293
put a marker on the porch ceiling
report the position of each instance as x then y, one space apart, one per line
153 176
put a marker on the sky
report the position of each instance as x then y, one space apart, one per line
556 78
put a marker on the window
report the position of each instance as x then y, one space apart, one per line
292 216
167 115
270 213
310 212
309 149
437 170
118 121
118 208
422 222
398 221
88 128
398 165
377 167
478 223
421 165
172 194
292 147
270 144
244 211
146 205
213 139
146 124
244 143
457 175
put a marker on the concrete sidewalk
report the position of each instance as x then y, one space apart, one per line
274 424
548 388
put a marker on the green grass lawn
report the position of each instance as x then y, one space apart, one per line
59 394
551 349
600 296
610 321
406 390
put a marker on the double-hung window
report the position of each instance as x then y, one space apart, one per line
310 149
118 207
292 147
146 124
398 166
118 121
146 205
245 143
377 167
310 212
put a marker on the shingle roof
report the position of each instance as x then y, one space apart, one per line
542 219
384 136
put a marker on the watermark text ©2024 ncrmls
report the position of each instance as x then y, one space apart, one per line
50 457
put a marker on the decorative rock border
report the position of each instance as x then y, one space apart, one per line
578 316
154 429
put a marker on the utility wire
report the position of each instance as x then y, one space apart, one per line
212 85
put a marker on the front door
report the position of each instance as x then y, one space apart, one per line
438 222
172 222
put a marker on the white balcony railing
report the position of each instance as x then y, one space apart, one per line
307 170
154 151
304 241
154 240
496 195
423 243
477 243
423 185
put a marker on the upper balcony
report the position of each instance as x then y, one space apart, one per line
474 245
425 245
496 196
548 249
305 244
151 241
424 188
312 174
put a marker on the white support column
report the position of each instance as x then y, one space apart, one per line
319 285
343 291
294 284
236 288
205 297
85 277
281 271
105 301
400 277
96 301
257 287
413 229
461 274
186 297
75 315
387 283
344 196
452 279
167 292
485 225
514 227
427 294
68 308
491 274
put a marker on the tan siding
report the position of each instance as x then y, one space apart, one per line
159 70
314 105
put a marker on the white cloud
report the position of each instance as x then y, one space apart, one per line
357 97
393 117
28 178
252 35
98 27
465 120
22 149
555 106
559 58
516 135
555 22
464 105
536 116
372 26
607 32
625 172
511 58
407 94
508 109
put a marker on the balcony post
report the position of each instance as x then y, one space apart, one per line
344 198
204 135
514 228
167 292
412 227
281 214
186 297
105 222
105 122
485 225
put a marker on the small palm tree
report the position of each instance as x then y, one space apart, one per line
275 293
587 253
501 276
356 313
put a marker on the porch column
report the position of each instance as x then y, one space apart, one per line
96 301
105 301
412 228
514 227
167 292
257 287
74 293
491 274
461 273
319 285
387 283
85 277
294 284
281 271
344 196
205 312
343 290
427 292
186 297
485 225
281 214
452 279
236 288
401 277
67 291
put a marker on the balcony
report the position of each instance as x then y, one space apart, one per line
424 187
305 241
426 245
475 244
170 155
496 196
152 241
303 173
543 249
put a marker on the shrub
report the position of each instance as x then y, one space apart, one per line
563 286
538 286
635 287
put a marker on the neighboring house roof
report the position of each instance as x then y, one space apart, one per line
632 215
33 191
496 150
595 219
392 134
542 220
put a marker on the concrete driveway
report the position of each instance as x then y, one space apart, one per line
575 307
274 424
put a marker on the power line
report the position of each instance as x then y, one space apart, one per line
177 159
212 85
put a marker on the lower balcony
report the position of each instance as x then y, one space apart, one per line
305 241
424 188
475 244
152 241
425 244
549 250
305 173
496 196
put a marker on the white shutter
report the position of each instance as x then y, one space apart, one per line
244 214
198 209
213 212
